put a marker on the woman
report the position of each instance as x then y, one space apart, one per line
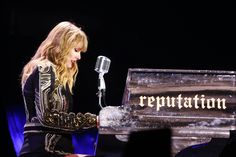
47 82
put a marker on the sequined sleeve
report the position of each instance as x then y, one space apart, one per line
57 119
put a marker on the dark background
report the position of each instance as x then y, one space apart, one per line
162 35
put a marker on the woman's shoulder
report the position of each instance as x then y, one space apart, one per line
45 66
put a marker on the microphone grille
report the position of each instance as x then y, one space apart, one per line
102 64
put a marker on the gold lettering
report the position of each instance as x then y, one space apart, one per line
172 103
141 98
196 101
187 102
179 98
183 102
158 102
150 101
203 101
223 103
210 103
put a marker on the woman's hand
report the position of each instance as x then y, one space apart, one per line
98 124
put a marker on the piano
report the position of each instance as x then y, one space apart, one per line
197 105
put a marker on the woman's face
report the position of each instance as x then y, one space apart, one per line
74 55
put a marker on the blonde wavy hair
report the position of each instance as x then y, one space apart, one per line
56 47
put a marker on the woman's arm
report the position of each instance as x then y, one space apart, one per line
51 117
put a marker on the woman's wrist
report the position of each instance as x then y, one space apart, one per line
98 122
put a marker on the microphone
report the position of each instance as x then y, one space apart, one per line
102 66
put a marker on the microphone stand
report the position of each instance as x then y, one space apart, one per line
101 90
